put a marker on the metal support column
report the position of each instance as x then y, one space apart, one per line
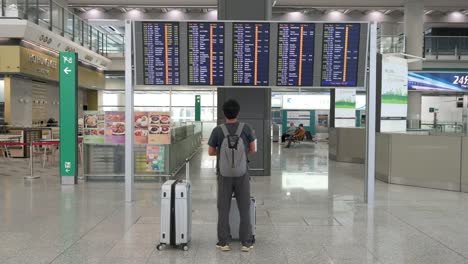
129 156
371 115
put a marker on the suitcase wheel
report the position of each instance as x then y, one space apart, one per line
185 248
160 247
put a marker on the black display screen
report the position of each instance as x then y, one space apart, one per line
251 53
206 53
340 54
161 53
295 54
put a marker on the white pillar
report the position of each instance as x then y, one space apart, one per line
414 109
129 156
371 116
414 30
414 33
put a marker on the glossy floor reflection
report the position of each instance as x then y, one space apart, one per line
309 211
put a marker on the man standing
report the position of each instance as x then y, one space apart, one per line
234 140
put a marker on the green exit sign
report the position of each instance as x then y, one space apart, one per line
68 117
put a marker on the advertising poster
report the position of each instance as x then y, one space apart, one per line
438 81
93 127
115 128
299 117
159 128
345 107
394 94
141 124
155 158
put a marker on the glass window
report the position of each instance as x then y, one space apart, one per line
110 99
151 99
183 99
2 91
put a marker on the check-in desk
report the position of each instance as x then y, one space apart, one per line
347 144
420 160
414 159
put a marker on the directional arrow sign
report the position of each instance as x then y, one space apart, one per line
68 117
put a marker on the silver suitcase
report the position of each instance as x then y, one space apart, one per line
176 213
234 218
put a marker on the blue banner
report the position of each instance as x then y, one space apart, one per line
441 81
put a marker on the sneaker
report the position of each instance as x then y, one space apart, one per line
247 248
223 246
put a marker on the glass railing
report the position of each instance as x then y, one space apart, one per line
455 46
58 19
446 45
391 44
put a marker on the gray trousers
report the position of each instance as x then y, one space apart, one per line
240 186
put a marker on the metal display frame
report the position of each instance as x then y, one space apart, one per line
366 67
228 49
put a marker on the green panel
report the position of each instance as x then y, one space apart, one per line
197 108
358 118
312 123
284 126
68 116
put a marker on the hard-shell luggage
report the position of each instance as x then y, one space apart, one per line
176 213
234 218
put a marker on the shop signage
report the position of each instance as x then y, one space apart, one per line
68 116
394 94
438 81
345 107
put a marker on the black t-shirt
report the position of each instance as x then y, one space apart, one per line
217 135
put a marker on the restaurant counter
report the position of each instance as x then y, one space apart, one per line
107 161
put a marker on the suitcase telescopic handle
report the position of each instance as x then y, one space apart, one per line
187 170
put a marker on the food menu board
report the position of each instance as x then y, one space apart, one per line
152 128
94 125
251 53
340 54
155 158
161 53
205 53
115 127
141 124
159 128
295 54
109 127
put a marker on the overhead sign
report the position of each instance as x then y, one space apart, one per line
438 81
68 116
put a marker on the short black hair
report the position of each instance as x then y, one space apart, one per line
301 125
231 109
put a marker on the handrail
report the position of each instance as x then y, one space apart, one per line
64 22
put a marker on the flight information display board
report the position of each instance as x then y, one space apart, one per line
295 54
161 53
251 51
205 53
340 53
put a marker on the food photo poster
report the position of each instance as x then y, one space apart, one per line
159 128
115 127
141 122
155 158
93 127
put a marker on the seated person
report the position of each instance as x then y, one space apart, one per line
289 133
298 135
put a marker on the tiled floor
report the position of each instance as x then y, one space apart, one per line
309 211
